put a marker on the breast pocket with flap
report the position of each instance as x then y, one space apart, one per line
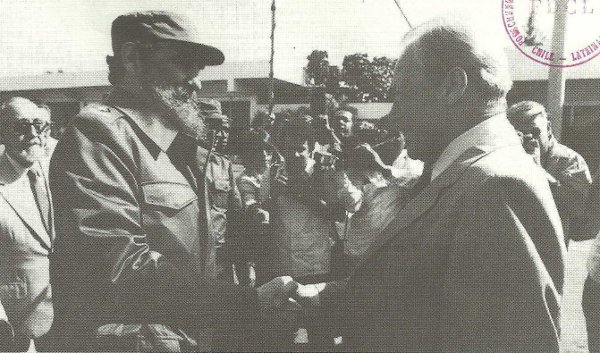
168 196
219 190
170 216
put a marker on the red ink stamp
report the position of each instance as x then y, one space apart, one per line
530 25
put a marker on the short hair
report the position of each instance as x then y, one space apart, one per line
6 105
523 113
6 108
444 43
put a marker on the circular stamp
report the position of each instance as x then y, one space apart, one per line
530 26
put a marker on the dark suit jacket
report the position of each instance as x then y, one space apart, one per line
132 243
474 263
25 244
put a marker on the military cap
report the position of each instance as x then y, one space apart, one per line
150 26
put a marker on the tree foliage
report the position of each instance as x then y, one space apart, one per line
317 68
360 79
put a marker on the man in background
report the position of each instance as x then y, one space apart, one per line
566 170
26 222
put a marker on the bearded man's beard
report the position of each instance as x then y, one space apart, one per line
182 104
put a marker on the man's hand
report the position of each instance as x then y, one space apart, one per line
258 214
278 311
276 292
532 147
308 297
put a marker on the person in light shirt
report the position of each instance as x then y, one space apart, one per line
566 170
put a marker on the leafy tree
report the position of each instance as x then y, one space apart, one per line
317 69
360 79
383 70
357 75
366 80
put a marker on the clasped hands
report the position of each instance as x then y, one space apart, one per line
283 302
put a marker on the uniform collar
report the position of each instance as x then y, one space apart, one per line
156 126
488 135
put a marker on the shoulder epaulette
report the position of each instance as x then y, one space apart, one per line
99 111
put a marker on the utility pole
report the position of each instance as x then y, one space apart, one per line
556 74
272 61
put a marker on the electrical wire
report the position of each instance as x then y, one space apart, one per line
397 2
272 61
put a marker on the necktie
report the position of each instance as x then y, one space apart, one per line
40 192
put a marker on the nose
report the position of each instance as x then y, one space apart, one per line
195 83
32 131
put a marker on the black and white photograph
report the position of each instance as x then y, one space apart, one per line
300 176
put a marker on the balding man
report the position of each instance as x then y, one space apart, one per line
566 169
26 221
475 262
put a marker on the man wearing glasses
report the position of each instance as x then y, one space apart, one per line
26 221
133 266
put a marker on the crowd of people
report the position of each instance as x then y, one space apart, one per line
135 231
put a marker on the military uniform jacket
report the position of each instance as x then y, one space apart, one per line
132 243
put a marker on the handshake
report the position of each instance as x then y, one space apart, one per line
284 301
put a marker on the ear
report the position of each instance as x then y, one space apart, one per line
453 86
130 57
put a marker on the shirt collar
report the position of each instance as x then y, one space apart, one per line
491 133
156 126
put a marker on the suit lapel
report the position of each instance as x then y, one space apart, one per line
12 192
424 200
